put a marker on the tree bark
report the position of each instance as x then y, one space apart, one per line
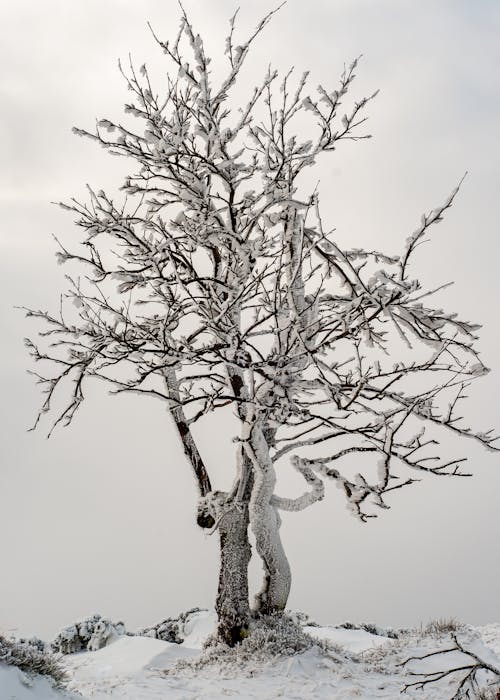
273 595
265 523
232 606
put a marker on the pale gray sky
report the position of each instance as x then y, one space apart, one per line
88 520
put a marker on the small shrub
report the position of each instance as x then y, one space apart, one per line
303 619
76 637
169 630
28 657
442 625
372 629
270 637
35 642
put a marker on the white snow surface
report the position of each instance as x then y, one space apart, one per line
367 667
17 685
352 640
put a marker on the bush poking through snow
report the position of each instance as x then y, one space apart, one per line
35 643
169 630
104 633
90 634
372 629
442 626
30 658
270 637
96 632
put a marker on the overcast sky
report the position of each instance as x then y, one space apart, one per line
100 517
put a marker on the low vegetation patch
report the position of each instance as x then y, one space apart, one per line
270 637
31 658
442 626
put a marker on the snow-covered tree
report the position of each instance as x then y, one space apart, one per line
213 282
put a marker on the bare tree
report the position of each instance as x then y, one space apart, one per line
214 283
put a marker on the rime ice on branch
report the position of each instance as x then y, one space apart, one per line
213 282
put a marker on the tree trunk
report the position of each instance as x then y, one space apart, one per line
275 590
233 610
265 523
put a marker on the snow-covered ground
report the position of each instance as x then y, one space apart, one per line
17 685
359 665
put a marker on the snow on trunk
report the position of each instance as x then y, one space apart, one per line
265 523
232 606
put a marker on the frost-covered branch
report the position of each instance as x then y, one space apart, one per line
467 671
